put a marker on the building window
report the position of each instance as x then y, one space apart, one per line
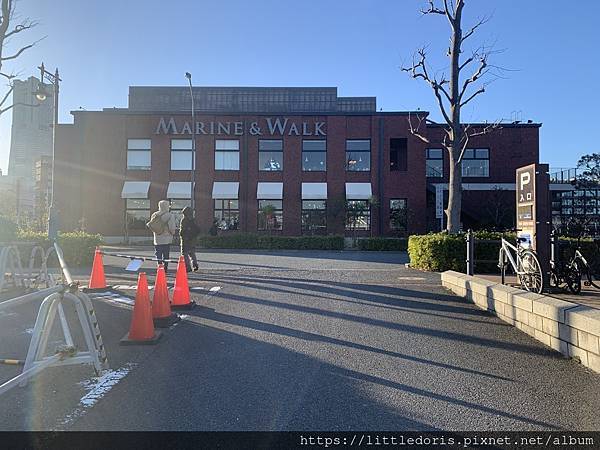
270 214
314 217
137 213
476 162
358 215
358 155
434 162
176 205
398 154
181 154
227 154
270 155
398 215
227 214
139 154
314 156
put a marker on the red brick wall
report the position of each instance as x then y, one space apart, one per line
91 167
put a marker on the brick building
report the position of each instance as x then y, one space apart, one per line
291 160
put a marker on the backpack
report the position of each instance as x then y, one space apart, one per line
156 224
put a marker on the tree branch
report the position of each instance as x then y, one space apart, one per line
481 70
2 111
25 25
16 55
414 132
419 70
469 33
6 96
433 9
481 90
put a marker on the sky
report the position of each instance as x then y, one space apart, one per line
548 54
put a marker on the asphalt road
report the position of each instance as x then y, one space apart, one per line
309 341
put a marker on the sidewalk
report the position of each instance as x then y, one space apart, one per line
589 296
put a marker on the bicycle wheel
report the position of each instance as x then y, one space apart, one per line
530 272
593 275
573 278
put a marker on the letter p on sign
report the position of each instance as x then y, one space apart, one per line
525 179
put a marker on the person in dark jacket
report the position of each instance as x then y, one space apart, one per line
188 231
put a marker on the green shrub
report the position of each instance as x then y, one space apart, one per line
77 246
437 252
443 251
383 244
266 242
8 229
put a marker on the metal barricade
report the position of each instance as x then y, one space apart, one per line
13 273
51 306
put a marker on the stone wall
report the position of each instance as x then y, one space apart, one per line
566 327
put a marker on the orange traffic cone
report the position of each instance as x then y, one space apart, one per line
161 309
181 294
97 279
141 330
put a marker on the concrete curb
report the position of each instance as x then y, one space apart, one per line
568 328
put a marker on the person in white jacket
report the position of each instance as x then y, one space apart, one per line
163 241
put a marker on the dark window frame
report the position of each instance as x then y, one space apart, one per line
140 150
367 210
433 172
352 153
278 214
308 213
476 158
219 150
404 226
312 152
264 151
189 150
227 211
129 208
399 155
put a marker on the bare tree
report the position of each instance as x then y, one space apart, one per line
10 26
452 95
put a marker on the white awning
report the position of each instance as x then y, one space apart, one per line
269 191
225 190
314 191
358 191
179 189
135 189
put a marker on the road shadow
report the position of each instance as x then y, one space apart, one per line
206 378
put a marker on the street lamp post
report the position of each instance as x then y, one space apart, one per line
193 174
41 94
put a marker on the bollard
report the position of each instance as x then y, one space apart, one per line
470 252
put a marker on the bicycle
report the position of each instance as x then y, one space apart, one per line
568 274
591 271
525 265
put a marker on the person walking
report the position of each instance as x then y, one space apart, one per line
188 231
163 226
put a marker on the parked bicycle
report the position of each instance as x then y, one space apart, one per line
565 275
590 270
524 263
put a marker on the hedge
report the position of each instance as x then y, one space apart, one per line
257 241
77 246
382 244
442 251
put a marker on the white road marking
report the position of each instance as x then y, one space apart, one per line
97 387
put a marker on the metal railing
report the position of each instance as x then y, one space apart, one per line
563 175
